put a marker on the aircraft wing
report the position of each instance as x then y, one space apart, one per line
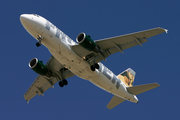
43 83
119 43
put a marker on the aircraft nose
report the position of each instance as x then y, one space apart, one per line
24 18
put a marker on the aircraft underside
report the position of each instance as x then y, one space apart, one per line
83 59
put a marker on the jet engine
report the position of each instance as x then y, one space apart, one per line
39 67
86 42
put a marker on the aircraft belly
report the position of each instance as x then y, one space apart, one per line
101 82
104 83
50 41
62 52
72 62
81 68
96 77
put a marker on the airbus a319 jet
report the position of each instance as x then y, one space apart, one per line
83 59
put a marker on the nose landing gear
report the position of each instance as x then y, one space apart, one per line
39 38
62 81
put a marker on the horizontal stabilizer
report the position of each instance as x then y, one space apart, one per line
114 102
142 88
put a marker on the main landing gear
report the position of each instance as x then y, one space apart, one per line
63 82
39 37
95 66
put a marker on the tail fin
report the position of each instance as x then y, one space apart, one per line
127 77
142 88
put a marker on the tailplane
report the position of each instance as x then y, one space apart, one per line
135 90
127 77
114 102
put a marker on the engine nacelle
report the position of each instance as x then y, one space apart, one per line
39 67
86 42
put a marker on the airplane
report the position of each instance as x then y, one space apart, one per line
83 59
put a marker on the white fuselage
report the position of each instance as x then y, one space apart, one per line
59 45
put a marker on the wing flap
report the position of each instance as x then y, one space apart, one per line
114 102
142 88
39 86
126 46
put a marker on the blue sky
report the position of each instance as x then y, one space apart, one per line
157 61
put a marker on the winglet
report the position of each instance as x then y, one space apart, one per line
28 101
166 30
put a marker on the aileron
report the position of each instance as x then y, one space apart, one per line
118 47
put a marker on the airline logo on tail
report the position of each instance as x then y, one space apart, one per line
127 77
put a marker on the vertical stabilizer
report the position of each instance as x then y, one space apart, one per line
127 77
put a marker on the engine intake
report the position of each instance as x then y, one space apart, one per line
39 67
86 42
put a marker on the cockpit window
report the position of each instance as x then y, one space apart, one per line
36 15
